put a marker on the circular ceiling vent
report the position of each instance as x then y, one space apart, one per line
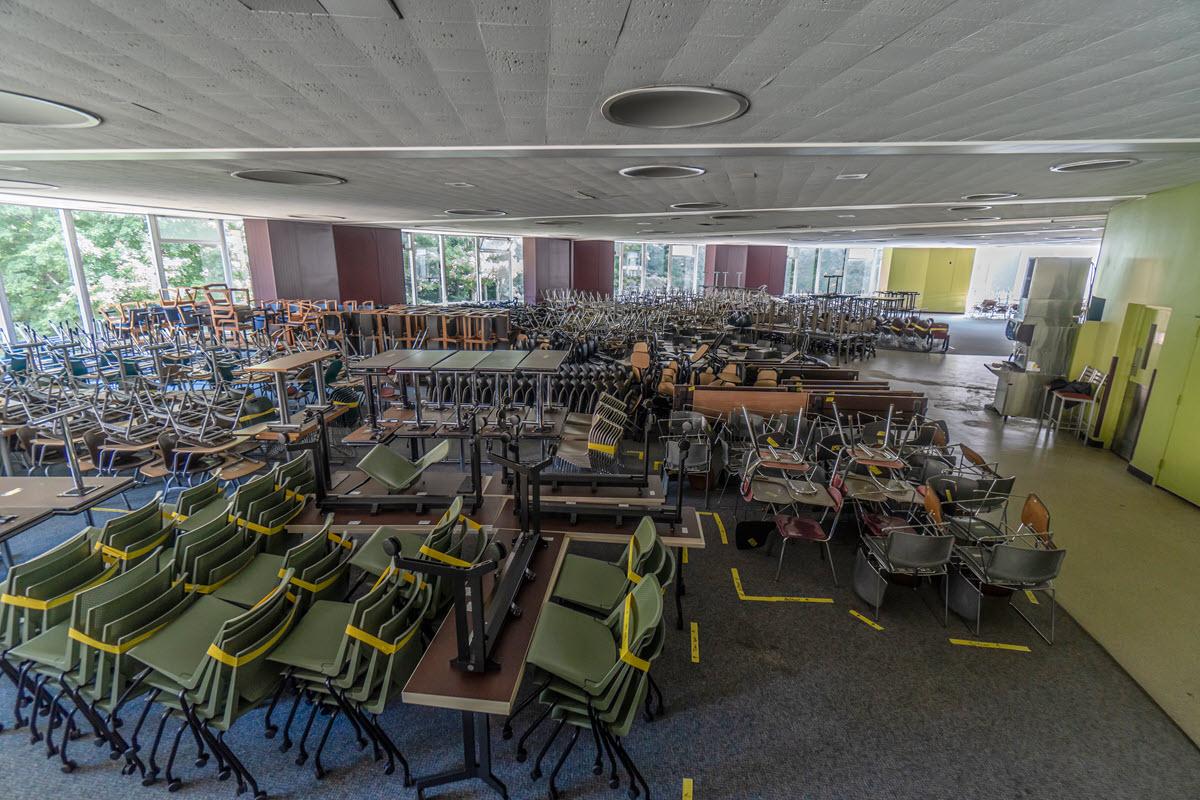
989 196
315 217
36 112
476 212
674 106
697 206
6 184
1094 165
968 208
661 171
288 177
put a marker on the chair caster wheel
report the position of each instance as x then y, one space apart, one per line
535 775
69 767
362 744
150 779
51 751
174 785
390 769
521 756
270 732
506 733
615 783
201 761
224 774
260 796
300 760
321 775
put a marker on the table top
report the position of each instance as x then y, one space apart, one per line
462 361
292 361
422 360
38 492
435 683
787 459
382 361
502 361
23 519
544 360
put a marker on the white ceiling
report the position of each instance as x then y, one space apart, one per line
933 99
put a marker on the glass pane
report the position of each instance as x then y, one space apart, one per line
518 268
804 269
117 259
204 230
33 262
831 263
682 277
239 259
460 268
631 266
656 267
498 245
862 270
427 264
190 264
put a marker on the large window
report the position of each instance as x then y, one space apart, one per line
454 268
116 262
687 267
832 269
34 268
117 258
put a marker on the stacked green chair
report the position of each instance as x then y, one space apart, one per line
262 507
598 674
320 566
131 537
207 667
198 505
372 558
395 472
600 586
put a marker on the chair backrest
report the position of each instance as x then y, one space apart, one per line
1036 517
915 551
1024 565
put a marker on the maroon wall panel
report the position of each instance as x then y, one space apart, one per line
766 265
592 266
547 266
729 259
389 247
262 269
370 263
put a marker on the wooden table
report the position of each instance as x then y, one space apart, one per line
280 367
50 493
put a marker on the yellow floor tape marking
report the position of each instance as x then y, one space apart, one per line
657 464
641 454
685 555
1032 597
1020 648
754 598
720 525
111 510
866 620
695 642
687 789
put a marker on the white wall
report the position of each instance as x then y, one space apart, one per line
998 271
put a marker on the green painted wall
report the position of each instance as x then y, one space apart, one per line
1149 257
941 274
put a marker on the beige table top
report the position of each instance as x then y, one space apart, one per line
292 361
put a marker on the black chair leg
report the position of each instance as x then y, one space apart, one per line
270 728
320 770
302 756
536 772
632 767
173 782
287 726
152 773
132 760
522 753
562 759
67 764
507 731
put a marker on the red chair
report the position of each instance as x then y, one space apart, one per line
809 530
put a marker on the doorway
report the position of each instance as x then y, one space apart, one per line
1146 329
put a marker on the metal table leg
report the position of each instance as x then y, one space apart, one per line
477 759
281 397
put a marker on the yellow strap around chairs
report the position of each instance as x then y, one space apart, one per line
208 588
633 577
626 655
290 495
472 524
110 552
174 515
309 585
345 542
248 417
407 577
115 649
241 661
387 648
445 558
607 449
45 605
261 530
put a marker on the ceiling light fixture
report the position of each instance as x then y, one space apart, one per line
1094 165
288 177
968 208
36 112
989 196
315 217
852 176
655 232
476 212
6 184
673 107
12 168
845 216
460 184
980 219
661 171
557 222
732 216
701 205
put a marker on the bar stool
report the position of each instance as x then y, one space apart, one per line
1080 408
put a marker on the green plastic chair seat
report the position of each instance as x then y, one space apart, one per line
314 643
572 645
395 471
254 582
177 651
590 583
48 649
372 558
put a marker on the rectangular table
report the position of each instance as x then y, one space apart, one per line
280 367
543 364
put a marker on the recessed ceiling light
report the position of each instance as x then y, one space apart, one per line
697 206
317 217
845 216
12 168
557 222
476 212
988 196
674 106
4 184
36 112
732 216
709 224
655 232
968 208
791 227
288 177
980 219
460 184
852 176
1094 165
661 171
